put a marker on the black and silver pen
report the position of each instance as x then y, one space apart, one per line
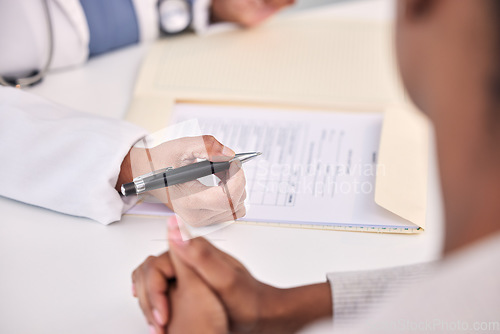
167 177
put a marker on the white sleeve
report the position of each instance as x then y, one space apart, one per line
201 15
149 25
356 294
25 39
61 159
147 19
201 19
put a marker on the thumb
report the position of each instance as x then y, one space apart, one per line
216 151
186 150
208 147
182 270
217 269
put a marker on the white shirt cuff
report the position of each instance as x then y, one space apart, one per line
201 20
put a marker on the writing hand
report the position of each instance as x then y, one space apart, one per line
247 12
195 203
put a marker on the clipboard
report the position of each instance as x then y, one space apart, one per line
179 70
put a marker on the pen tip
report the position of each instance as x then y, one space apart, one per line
258 153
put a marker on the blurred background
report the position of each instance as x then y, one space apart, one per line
302 4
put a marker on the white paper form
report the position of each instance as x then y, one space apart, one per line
316 167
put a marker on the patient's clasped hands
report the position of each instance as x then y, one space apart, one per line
196 288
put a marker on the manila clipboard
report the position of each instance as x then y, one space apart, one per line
358 53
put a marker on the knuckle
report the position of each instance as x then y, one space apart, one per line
165 256
149 262
230 282
209 140
200 253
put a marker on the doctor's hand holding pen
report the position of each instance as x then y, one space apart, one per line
196 203
247 13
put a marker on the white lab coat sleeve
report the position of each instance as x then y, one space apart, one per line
25 39
201 19
61 159
201 16
149 25
147 18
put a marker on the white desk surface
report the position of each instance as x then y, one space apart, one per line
61 274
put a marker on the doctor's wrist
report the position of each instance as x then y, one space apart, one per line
125 175
136 163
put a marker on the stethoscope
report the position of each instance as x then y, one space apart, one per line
38 76
174 17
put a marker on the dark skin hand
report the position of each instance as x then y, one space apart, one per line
194 307
266 309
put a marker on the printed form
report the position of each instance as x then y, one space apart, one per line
316 167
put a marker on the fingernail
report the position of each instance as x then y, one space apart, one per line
227 152
133 289
176 237
174 233
238 164
152 329
172 223
158 318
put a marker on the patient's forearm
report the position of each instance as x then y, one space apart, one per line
303 305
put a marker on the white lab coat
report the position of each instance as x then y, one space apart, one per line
62 159
52 156
24 37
